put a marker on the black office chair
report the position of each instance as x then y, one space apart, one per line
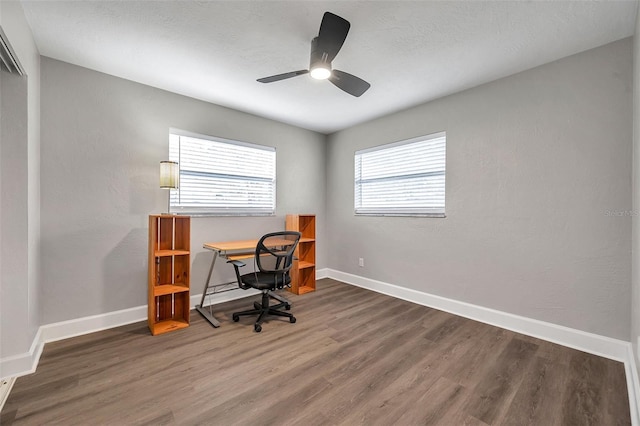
273 260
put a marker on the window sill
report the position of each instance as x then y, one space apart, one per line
200 214
423 215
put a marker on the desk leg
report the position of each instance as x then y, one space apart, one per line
208 315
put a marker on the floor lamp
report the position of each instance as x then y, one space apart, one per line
169 179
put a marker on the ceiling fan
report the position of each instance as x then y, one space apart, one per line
324 48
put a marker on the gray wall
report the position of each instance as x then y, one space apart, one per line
635 261
13 224
20 189
538 196
102 141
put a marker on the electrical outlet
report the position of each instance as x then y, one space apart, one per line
361 262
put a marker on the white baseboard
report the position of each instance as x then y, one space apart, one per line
79 326
5 388
322 273
633 385
24 363
607 347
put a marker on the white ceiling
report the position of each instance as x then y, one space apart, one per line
410 52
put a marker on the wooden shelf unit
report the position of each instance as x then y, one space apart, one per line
303 272
169 273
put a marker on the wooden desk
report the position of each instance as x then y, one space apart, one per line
230 250
224 247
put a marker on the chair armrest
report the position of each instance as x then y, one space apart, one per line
237 263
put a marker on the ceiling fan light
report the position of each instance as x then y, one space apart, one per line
320 73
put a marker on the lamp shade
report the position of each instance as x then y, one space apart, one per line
169 175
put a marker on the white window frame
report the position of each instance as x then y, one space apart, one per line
390 165
180 199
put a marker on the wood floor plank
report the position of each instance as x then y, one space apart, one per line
480 357
419 376
493 394
372 378
582 404
584 395
536 401
354 357
441 399
617 402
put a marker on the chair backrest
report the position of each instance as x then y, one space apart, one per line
274 252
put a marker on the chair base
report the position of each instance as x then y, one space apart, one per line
264 309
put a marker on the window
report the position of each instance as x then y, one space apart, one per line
222 177
402 179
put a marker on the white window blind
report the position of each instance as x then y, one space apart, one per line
222 177
405 178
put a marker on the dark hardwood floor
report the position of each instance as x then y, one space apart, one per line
353 357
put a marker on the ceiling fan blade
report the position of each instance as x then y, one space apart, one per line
349 83
279 77
333 32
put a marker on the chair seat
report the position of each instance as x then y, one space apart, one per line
263 281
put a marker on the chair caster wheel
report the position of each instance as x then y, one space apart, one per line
292 320
236 318
287 307
257 328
